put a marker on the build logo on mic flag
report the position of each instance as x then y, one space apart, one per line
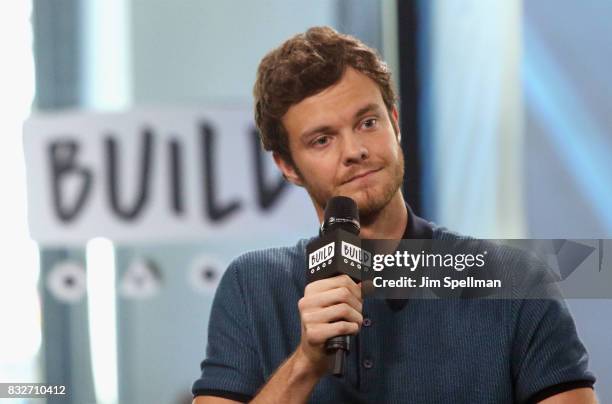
321 257
356 256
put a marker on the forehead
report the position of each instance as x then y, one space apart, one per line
335 105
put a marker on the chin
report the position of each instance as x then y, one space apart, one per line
374 199
370 202
370 199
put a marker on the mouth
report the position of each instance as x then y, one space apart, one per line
362 175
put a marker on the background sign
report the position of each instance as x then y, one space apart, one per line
155 175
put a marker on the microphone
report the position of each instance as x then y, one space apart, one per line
337 251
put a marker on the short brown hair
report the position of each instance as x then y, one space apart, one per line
303 66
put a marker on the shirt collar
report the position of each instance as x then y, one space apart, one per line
416 228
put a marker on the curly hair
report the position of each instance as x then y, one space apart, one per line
303 66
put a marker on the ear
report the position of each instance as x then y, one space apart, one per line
395 123
289 172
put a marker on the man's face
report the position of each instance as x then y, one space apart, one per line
343 142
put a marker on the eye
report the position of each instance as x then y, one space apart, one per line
369 123
320 141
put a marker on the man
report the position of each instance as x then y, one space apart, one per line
325 107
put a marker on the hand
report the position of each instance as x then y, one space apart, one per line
330 307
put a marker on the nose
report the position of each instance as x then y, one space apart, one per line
355 150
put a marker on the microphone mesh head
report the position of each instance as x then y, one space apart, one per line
343 208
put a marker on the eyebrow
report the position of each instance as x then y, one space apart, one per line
371 107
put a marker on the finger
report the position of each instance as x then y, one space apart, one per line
329 298
338 312
319 333
332 283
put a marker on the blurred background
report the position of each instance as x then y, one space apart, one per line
137 176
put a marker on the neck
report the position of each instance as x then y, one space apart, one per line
389 223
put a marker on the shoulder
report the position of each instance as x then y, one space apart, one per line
271 258
260 266
501 252
520 265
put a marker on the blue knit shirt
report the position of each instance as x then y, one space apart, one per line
418 351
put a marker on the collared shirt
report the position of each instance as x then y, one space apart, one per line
423 351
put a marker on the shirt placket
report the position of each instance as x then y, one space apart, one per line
366 364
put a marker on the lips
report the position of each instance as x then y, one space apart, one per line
361 175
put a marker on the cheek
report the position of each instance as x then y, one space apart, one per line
317 171
322 164
395 149
325 173
387 150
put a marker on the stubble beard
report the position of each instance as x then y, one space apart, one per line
371 201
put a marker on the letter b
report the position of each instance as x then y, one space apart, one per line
63 167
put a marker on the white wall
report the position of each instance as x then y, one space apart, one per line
193 51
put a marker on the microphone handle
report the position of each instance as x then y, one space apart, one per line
337 348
